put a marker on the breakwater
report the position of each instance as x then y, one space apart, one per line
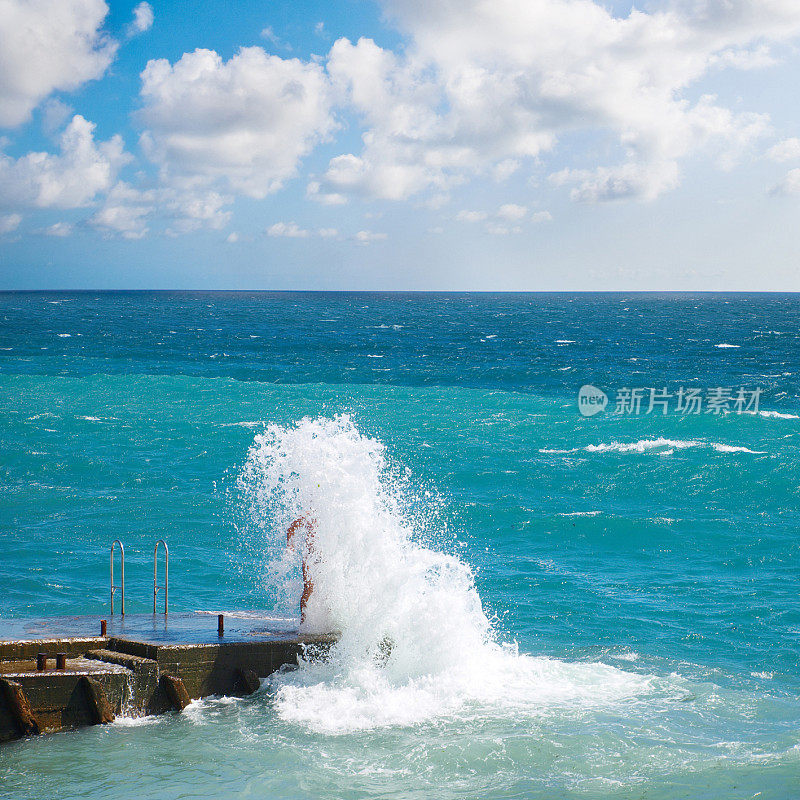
59 673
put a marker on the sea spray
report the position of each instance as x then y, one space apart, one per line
415 642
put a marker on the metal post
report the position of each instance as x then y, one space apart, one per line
165 587
121 586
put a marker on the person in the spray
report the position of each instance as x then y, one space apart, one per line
307 524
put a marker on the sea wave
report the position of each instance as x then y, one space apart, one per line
661 445
774 415
416 644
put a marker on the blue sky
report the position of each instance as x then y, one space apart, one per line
403 144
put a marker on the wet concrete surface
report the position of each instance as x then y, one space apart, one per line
174 628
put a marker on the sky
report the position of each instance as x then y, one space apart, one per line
485 145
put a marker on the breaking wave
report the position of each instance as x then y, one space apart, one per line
415 642
645 445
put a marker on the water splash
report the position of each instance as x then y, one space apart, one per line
415 642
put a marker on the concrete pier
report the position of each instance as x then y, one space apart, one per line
144 664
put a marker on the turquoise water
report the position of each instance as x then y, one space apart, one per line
639 575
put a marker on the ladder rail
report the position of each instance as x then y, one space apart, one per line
121 586
165 586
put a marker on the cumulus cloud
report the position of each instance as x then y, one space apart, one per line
191 210
501 222
9 223
291 230
142 19
367 237
54 114
471 216
58 229
71 178
484 86
512 212
504 169
314 192
789 184
125 212
242 125
48 46
127 209
786 150
645 181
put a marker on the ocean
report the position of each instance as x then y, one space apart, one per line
579 606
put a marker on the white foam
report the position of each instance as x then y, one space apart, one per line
629 656
723 345
774 415
641 446
728 448
415 642
661 446
579 513
134 722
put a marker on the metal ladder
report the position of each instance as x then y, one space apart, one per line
121 586
165 587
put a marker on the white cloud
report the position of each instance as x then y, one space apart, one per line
497 229
48 46
9 223
789 185
367 237
630 180
504 169
290 230
125 220
191 210
270 35
125 212
786 150
72 178
127 209
59 230
484 86
502 222
314 192
232 237
142 19
242 125
512 212
54 114
471 216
